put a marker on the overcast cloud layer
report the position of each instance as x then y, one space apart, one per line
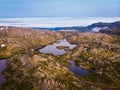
59 8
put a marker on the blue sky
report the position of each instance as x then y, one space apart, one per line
59 8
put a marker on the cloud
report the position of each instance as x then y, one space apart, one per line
53 22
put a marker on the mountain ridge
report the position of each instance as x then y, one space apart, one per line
85 28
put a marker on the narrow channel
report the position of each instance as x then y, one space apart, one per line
2 67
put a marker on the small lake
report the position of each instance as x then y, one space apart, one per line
77 70
52 49
2 67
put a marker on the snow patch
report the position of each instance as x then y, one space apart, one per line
2 28
2 45
96 29
68 30
105 28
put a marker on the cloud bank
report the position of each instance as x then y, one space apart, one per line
53 22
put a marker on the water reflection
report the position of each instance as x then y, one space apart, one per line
54 50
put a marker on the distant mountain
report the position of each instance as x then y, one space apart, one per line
115 31
102 27
75 28
102 24
96 27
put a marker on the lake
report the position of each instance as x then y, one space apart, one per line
77 70
52 49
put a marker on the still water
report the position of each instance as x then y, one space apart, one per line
77 70
2 67
52 49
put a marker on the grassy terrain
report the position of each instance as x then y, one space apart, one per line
27 69
18 40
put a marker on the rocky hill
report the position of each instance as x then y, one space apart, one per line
16 39
114 31
28 69
95 27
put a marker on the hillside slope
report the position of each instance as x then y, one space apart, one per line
29 69
18 39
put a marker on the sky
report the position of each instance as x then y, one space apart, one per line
57 13
59 8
